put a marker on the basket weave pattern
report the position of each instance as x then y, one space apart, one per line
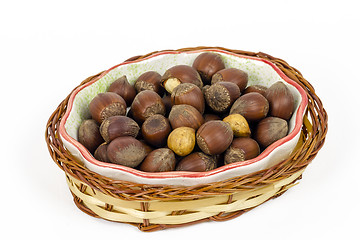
155 207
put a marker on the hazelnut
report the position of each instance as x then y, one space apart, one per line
234 75
207 64
126 151
241 149
188 93
122 87
255 88
182 140
220 96
185 116
89 134
253 106
210 117
269 130
105 105
159 160
101 153
155 130
281 100
214 137
238 124
180 74
149 80
146 104
196 162
167 103
118 126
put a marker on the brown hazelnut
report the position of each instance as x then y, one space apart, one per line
126 151
269 130
101 153
210 117
118 126
238 124
122 87
146 104
253 106
241 149
234 75
182 140
185 116
167 103
255 88
155 130
148 149
149 80
196 162
214 137
89 134
190 94
105 105
281 100
207 64
180 74
220 96
159 160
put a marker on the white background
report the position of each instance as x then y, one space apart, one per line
48 47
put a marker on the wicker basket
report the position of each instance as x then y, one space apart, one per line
155 207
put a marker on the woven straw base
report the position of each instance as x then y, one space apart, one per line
154 207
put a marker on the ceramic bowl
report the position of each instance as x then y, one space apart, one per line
260 71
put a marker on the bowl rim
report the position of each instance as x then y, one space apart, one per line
183 174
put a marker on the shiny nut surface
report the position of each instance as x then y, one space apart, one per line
182 140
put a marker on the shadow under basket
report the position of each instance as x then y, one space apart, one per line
156 207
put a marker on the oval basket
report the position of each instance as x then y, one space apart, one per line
155 207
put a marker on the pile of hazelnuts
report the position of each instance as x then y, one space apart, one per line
191 118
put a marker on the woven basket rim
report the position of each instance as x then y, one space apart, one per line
144 192
170 175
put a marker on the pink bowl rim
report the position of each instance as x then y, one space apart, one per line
182 174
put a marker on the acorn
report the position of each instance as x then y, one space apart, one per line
155 130
159 160
122 87
221 95
255 88
196 162
241 149
281 100
126 151
185 116
89 135
253 106
105 105
149 80
101 153
238 124
146 103
188 93
214 137
118 126
269 130
234 75
207 64
182 140
180 74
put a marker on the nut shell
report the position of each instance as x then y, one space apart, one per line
185 116
207 64
241 149
118 126
149 80
214 137
238 124
196 162
220 96
89 134
190 94
269 130
255 88
234 75
180 74
126 151
253 106
159 160
146 104
101 153
105 105
182 140
122 87
155 130
281 101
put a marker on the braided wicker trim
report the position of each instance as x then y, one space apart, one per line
313 137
